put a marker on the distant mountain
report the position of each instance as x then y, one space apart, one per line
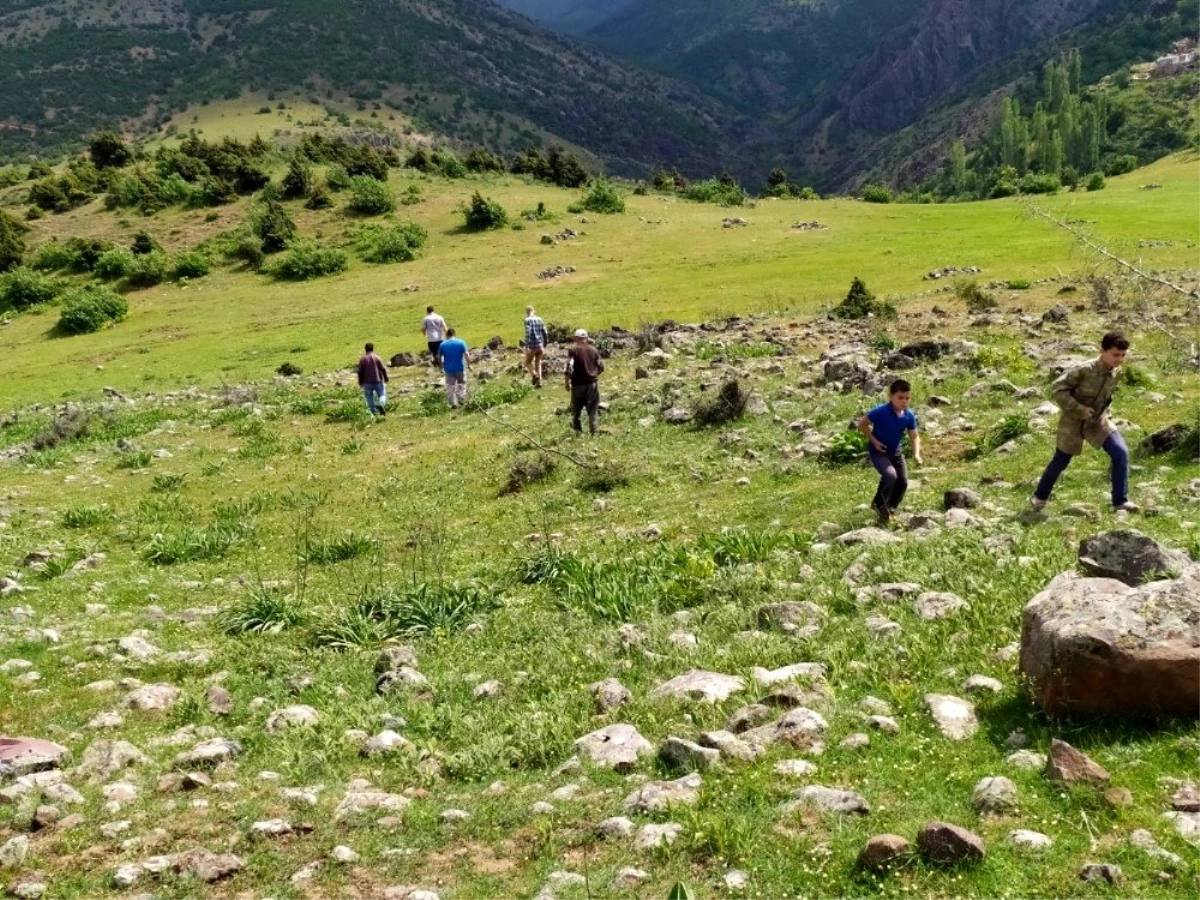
568 16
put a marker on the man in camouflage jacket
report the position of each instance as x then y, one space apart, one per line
1084 393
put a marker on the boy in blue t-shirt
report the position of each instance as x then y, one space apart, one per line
454 357
884 427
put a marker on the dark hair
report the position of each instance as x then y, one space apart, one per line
450 332
429 309
1114 339
370 348
899 385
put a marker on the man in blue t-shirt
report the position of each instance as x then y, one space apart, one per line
884 427
454 357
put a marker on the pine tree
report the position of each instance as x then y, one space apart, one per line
957 167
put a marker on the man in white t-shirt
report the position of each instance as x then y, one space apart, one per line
434 327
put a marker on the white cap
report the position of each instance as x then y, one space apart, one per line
581 332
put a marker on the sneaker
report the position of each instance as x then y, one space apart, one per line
882 512
1128 506
1037 503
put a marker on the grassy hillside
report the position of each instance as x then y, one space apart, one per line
260 535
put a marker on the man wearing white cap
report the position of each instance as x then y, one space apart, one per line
584 366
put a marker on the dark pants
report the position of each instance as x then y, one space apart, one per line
893 478
1115 447
434 347
585 396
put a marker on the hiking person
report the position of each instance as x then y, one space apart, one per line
373 378
1084 393
454 356
885 427
434 327
584 366
535 345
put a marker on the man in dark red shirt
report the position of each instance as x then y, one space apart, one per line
584 366
372 378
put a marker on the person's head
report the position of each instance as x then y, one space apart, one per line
581 336
900 393
370 348
429 309
450 332
529 310
1113 347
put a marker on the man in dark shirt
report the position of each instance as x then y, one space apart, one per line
372 378
584 366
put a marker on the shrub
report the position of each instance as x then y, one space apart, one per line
603 198
370 197
390 244
847 447
248 250
860 303
740 545
714 190
1011 427
51 256
319 198
261 610
483 160
298 181
975 297
492 395
167 482
192 544
1018 284
483 214
89 308
113 264
12 241
877 193
273 226
191 264
1038 183
728 405
84 253
1095 182
305 260
144 243
109 151
87 516
529 468
338 549
22 288
605 476
147 270
1122 164
881 341
337 178
72 424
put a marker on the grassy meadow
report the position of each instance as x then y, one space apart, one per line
263 535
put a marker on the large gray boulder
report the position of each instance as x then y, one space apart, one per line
1097 645
1128 556
615 747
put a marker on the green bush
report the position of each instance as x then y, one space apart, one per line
483 214
715 190
12 241
1122 164
306 260
877 193
390 244
337 178
144 243
529 468
370 197
148 270
860 303
113 265
22 288
603 198
1011 427
1018 284
273 226
1095 182
89 308
1033 183
319 198
298 181
261 610
51 256
975 297
847 447
191 264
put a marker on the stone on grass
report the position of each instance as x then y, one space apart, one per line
298 716
994 796
828 800
886 724
614 746
105 758
686 754
1029 841
615 826
855 741
869 535
933 605
1026 760
393 658
1144 841
747 717
630 877
730 746
795 768
487 690
361 797
218 700
1101 873
883 851
387 741
801 671
801 728
955 718
1186 798
650 837
1066 764
960 498
891 592
881 627
941 843
1186 823
789 613
1096 645
1118 797
700 686
609 694
1128 556
208 754
152 697
137 647
980 684
13 852
658 795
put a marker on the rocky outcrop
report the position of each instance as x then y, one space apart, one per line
1128 556
1097 645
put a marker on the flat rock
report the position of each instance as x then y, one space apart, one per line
658 795
387 741
152 697
609 694
933 605
889 592
941 843
700 686
1029 841
105 758
1128 556
883 851
829 800
982 684
297 716
1144 841
614 746
796 671
731 747
1066 764
955 718
650 837
960 498
881 627
615 826
749 716
794 768
869 535
361 798
1026 760
801 728
218 700
13 852
1101 873
1186 823
689 755
208 754
1186 798
787 613
994 796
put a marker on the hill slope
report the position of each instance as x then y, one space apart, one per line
69 67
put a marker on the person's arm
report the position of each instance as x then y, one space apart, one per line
599 363
914 438
567 369
383 369
868 430
1063 392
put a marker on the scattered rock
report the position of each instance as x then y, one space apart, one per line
1118 797
298 716
615 747
1105 873
794 768
1128 556
1066 764
829 800
650 837
933 605
103 759
152 697
1030 841
701 686
955 718
688 755
994 796
981 684
960 498
361 797
218 700
609 694
1144 841
657 795
208 754
801 728
941 843
883 851
616 826
1027 760
13 852
869 535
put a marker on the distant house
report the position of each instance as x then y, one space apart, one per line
1174 63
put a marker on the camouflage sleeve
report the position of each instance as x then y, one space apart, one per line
1063 390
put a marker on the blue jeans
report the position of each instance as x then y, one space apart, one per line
376 394
893 478
1115 447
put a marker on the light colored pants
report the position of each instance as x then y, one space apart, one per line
376 394
456 388
533 362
